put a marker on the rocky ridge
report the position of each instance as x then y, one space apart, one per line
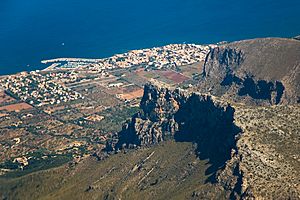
164 116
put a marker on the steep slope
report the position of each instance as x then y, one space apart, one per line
259 71
146 172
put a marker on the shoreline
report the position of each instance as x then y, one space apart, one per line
102 63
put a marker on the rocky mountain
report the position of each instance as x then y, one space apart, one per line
259 71
234 138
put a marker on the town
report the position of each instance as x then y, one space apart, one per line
169 56
72 108
37 89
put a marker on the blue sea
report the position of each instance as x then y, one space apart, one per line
33 30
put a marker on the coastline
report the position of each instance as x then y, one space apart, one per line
102 63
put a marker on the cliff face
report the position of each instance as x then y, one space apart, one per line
256 72
156 122
221 61
175 114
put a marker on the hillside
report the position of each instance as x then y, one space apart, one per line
146 172
259 71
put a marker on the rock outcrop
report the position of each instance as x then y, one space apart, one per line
184 117
176 114
255 72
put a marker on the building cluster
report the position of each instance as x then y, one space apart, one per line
159 57
37 89
64 77
169 56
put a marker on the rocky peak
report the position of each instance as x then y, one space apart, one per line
158 103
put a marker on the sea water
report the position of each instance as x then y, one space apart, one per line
33 30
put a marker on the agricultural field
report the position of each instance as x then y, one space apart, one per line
72 128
